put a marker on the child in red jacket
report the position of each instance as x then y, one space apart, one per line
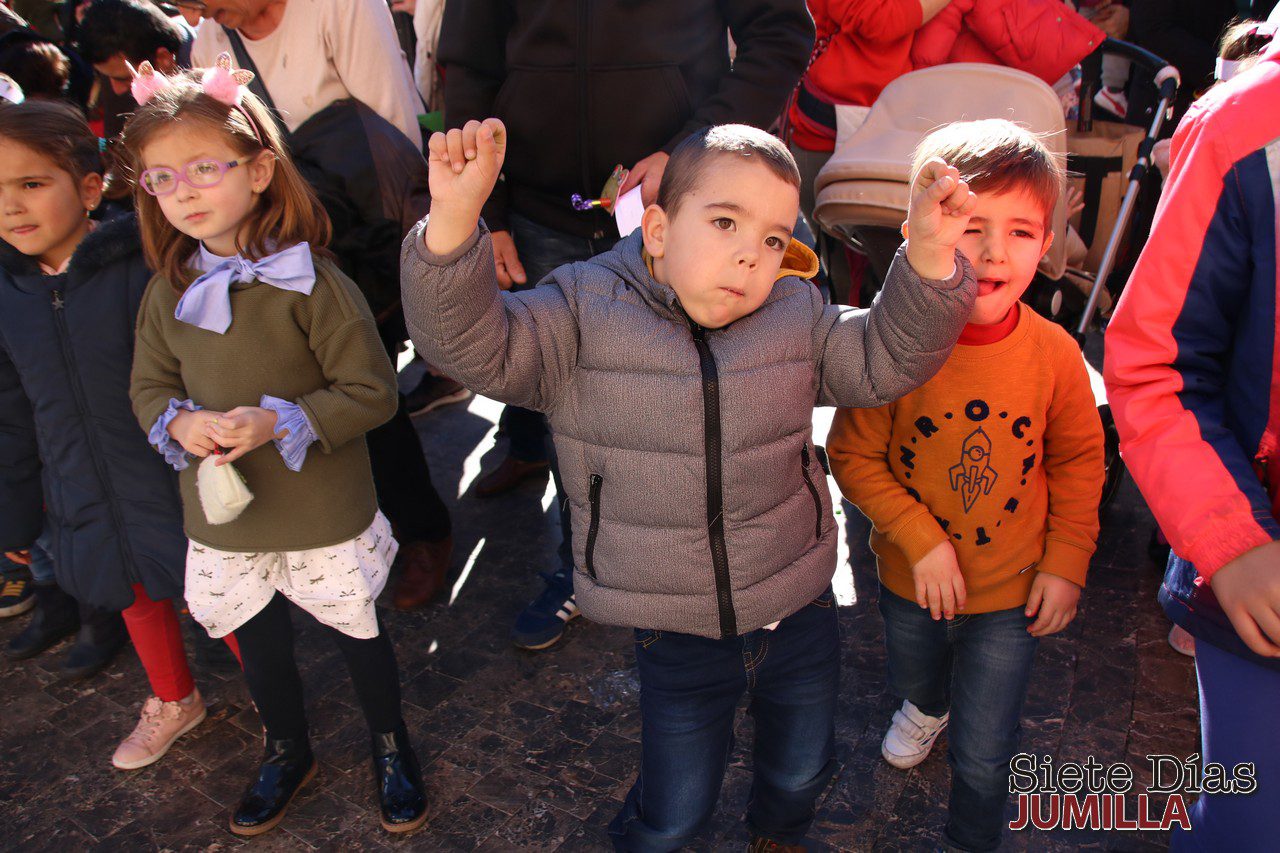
1193 377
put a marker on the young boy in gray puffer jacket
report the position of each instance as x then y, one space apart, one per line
679 372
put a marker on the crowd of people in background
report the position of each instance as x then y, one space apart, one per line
224 222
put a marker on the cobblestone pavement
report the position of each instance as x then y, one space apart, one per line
535 751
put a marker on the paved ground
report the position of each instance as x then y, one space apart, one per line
534 751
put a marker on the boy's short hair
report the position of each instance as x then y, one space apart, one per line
35 63
689 159
55 129
994 156
135 28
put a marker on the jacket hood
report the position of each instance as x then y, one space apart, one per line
631 263
112 240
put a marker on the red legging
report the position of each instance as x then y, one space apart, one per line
157 637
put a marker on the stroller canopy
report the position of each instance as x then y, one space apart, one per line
866 181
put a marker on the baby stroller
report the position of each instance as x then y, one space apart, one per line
861 194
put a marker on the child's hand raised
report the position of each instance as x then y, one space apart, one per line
464 165
1053 602
939 583
940 207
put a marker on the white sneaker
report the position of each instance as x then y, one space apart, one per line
1113 100
911 736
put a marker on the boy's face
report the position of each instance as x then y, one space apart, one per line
42 207
722 250
1006 238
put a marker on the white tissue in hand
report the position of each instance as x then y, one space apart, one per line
223 493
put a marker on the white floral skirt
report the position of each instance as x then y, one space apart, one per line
337 585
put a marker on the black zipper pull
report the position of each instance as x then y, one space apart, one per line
57 300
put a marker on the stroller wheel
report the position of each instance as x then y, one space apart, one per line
1113 464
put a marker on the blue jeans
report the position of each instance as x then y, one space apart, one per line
42 557
1237 698
976 666
689 690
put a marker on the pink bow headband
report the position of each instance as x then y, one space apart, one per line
223 83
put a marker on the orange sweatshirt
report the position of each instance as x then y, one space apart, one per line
1000 453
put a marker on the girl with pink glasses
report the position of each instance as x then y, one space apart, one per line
250 336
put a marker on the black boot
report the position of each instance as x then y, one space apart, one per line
102 635
399 780
287 765
56 617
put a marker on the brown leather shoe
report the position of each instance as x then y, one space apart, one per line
509 474
425 566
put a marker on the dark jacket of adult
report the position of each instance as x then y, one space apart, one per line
68 437
586 85
1185 33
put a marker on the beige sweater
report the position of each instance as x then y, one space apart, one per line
321 351
324 51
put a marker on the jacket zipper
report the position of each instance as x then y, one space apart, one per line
596 482
715 485
77 388
813 490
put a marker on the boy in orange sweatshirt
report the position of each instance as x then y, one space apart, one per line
982 486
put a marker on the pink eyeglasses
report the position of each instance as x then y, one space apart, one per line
200 174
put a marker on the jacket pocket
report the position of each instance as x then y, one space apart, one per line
646 637
813 490
596 483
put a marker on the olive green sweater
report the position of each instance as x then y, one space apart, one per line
320 350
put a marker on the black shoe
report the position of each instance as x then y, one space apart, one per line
17 595
399 781
102 635
56 617
287 765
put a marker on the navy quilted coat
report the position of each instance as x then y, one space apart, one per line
68 437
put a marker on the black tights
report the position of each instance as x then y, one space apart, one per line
266 650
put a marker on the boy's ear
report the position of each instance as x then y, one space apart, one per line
903 229
1048 243
91 190
262 169
653 227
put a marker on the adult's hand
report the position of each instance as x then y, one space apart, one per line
1248 588
1113 19
506 260
647 174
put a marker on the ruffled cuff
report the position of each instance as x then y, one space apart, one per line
160 439
289 416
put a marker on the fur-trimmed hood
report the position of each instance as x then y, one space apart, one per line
112 240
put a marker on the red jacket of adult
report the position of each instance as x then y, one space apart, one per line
1043 37
867 46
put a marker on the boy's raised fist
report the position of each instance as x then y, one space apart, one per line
464 164
940 206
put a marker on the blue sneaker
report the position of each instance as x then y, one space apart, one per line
542 623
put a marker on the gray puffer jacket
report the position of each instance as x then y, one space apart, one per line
687 454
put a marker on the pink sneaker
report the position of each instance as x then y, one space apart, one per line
161 724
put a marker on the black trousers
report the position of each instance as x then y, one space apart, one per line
266 652
400 472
